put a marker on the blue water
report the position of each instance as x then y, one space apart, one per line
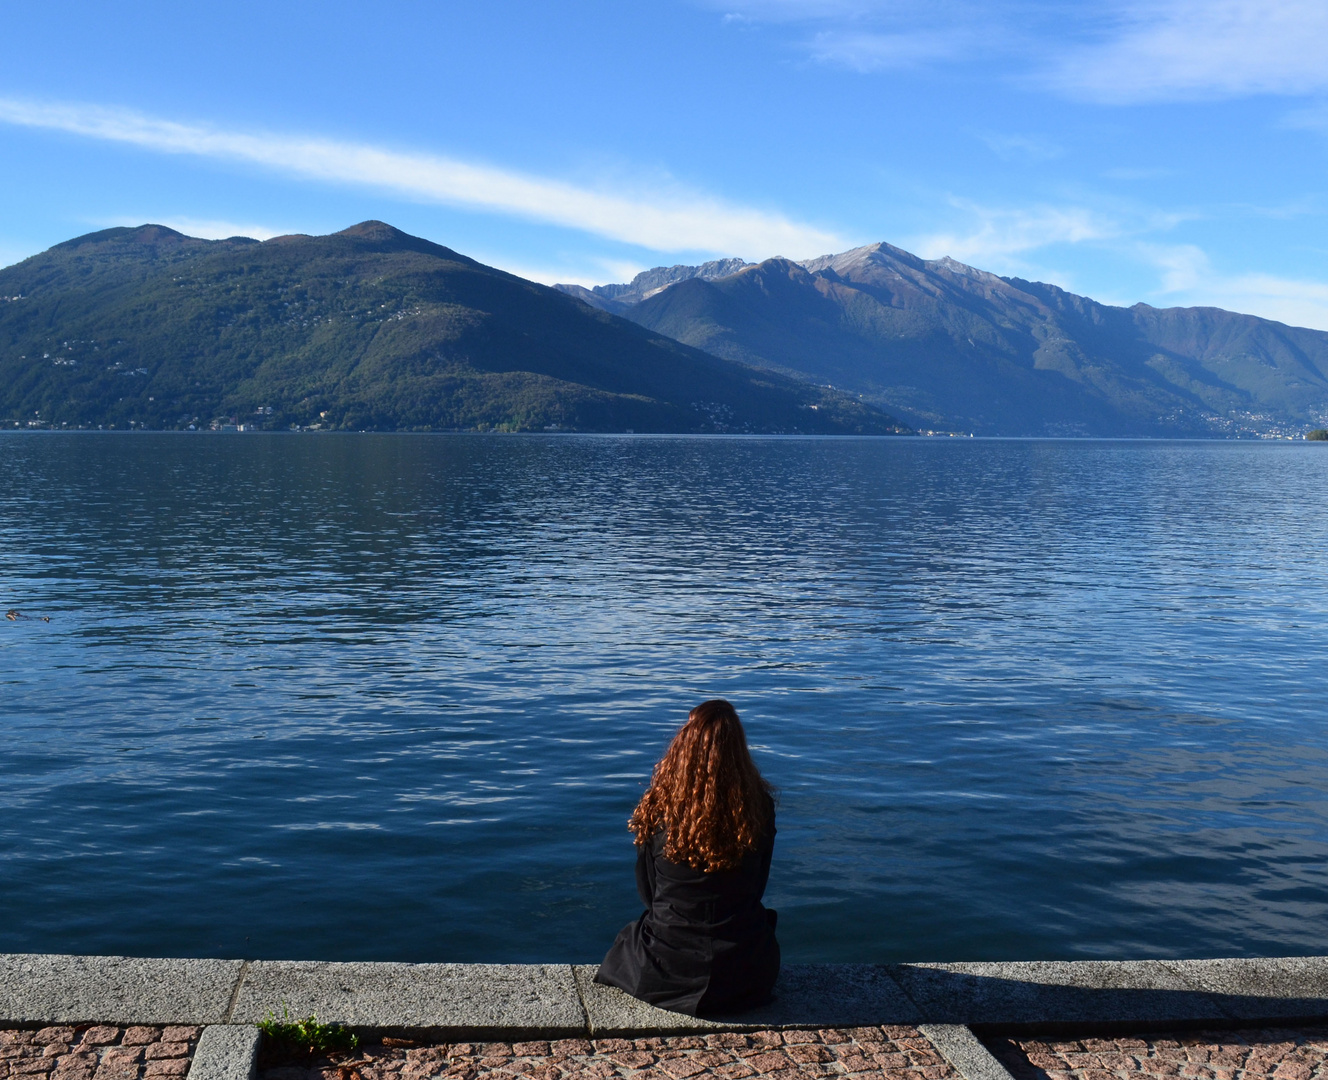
394 697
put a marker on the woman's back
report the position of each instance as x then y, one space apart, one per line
684 893
704 942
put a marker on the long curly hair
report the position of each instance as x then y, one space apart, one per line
706 793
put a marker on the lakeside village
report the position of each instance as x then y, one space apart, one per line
232 424
1235 425
1243 426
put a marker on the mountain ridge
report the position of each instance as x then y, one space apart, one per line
947 345
367 328
618 298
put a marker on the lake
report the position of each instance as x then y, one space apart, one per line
394 696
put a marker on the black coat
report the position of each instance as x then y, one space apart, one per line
705 943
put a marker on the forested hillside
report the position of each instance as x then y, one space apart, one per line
366 329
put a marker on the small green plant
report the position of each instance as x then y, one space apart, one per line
307 1034
1318 435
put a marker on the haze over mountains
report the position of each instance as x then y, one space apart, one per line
946 346
369 328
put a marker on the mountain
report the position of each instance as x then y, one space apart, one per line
619 298
369 328
944 345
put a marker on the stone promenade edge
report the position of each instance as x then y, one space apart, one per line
516 1001
460 1003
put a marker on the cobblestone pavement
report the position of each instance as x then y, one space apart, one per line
97 1052
900 1053
1252 1054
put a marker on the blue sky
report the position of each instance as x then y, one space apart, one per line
1169 151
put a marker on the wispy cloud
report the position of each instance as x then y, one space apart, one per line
1288 300
660 220
1020 147
872 51
590 271
999 234
545 275
1016 241
874 35
1183 266
1163 50
1126 173
1189 278
1116 51
620 271
795 10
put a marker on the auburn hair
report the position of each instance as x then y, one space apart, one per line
706 793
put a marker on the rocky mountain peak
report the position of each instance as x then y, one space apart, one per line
954 266
864 262
646 284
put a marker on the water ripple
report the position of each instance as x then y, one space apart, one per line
395 696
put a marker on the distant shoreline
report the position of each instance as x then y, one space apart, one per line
913 437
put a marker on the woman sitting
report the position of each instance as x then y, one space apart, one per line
705 831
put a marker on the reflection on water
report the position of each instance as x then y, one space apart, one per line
393 697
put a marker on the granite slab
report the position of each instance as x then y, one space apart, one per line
475 1001
53 988
965 1051
226 1052
806 996
1054 994
1278 988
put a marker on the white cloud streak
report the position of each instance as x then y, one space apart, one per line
1126 173
1000 239
670 221
1167 50
587 273
545 275
1020 147
1184 267
866 51
793 10
1189 278
871 35
1114 52
1000 234
1297 302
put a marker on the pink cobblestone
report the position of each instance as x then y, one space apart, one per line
96 1052
873 1053
1253 1054
166 1067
